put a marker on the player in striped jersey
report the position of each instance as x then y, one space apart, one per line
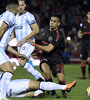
25 28
7 21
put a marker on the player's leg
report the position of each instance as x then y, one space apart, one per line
26 64
89 67
45 68
5 66
24 88
34 85
31 94
89 70
19 87
30 68
14 62
58 71
88 61
83 69
83 57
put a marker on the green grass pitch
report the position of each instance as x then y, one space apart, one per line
72 72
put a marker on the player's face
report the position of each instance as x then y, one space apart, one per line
21 7
88 15
15 11
54 23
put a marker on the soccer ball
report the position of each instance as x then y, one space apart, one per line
88 91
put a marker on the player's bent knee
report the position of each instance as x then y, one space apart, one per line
7 67
22 62
33 85
60 76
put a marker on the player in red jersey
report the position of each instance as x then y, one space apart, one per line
84 34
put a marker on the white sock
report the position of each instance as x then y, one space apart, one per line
51 86
4 83
30 68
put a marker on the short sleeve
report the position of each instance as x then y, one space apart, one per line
30 19
9 19
58 41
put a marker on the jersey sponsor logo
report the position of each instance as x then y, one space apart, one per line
18 27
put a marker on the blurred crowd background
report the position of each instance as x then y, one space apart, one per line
72 12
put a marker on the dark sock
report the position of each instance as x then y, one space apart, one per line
89 71
83 69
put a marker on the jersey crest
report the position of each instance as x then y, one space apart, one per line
50 38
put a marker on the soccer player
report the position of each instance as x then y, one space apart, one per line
84 34
7 22
29 88
53 45
26 27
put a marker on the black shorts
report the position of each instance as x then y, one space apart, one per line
85 52
55 66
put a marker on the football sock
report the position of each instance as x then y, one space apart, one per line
89 70
83 69
49 79
6 77
30 68
62 83
51 86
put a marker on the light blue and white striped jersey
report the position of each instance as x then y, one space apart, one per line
9 19
22 26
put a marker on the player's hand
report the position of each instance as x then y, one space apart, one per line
22 56
31 42
34 55
20 43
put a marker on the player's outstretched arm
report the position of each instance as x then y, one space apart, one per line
47 48
14 52
35 31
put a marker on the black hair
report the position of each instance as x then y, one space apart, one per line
56 15
11 6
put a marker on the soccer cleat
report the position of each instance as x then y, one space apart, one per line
70 85
83 77
48 92
64 94
53 93
54 96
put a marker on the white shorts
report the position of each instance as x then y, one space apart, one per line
17 86
3 56
26 49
